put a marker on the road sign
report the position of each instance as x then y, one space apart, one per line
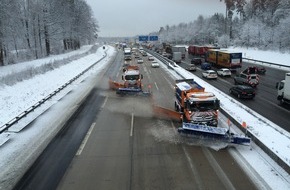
153 38
143 38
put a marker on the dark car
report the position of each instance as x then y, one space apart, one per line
196 61
261 70
243 91
205 66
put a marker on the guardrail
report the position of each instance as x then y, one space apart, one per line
268 63
266 149
42 101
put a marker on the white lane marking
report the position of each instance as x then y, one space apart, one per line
104 102
156 85
192 166
79 152
132 124
167 79
218 170
194 170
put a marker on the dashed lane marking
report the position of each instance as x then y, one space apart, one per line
79 152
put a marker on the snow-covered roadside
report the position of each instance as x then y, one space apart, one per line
274 137
17 98
276 178
267 56
44 129
16 68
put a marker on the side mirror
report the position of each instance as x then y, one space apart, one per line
141 76
122 77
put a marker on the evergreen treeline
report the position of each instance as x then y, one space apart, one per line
263 24
30 29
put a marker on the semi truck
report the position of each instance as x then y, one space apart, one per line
196 105
200 51
283 89
224 58
132 82
198 112
179 49
127 54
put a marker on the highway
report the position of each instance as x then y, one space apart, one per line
115 142
265 103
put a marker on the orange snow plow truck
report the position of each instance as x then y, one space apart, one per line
198 111
132 82
192 104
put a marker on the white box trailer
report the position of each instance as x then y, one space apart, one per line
179 49
176 57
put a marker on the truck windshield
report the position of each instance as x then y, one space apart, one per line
203 106
131 77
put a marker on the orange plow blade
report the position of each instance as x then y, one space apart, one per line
165 113
115 85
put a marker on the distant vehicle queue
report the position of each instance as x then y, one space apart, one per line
208 57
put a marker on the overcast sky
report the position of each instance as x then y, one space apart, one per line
121 18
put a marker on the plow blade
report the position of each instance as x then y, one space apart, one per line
217 133
132 91
115 85
166 113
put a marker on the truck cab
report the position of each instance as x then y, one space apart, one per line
132 77
201 107
283 90
195 105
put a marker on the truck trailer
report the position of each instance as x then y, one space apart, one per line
179 49
177 57
224 58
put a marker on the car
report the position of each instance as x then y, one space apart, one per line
196 61
224 72
151 58
127 57
191 68
261 70
247 79
209 74
154 64
205 66
243 91
140 60
137 56
144 54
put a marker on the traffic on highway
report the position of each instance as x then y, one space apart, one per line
164 133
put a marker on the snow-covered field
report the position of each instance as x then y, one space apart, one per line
18 97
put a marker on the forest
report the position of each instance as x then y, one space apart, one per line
263 24
31 29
